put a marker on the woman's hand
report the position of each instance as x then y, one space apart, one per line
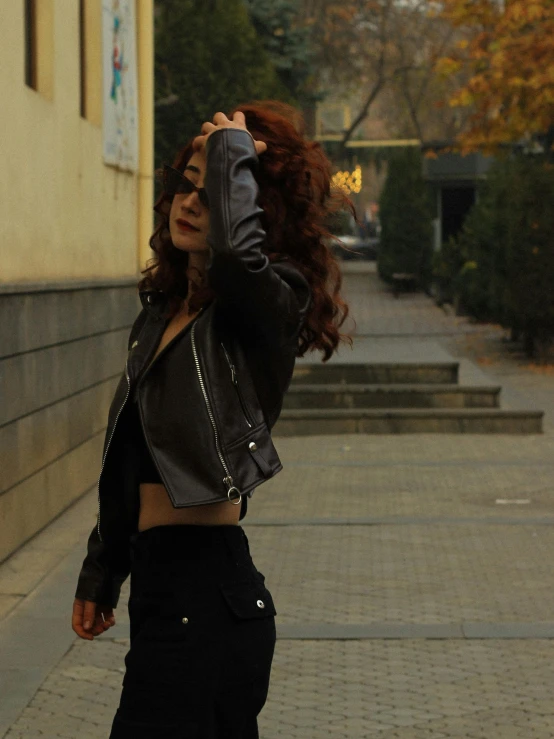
221 121
90 619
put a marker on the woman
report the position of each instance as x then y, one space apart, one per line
237 289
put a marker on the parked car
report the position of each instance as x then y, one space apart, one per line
357 248
352 244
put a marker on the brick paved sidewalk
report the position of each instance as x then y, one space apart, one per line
411 576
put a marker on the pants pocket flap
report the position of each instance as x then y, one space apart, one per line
248 599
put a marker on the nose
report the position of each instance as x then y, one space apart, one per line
190 201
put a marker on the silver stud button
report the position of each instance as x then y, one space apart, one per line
252 446
150 298
135 343
185 620
260 604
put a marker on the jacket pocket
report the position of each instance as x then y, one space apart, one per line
248 599
254 459
235 380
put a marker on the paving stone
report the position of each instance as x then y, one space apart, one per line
401 575
21 573
7 602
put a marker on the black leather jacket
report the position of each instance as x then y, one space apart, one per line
208 401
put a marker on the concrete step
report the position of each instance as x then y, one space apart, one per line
390 396
404 373
303 422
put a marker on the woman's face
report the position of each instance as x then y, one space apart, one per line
189 217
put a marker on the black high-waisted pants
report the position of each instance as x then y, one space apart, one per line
202 636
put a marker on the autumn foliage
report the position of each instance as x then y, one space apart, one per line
507 50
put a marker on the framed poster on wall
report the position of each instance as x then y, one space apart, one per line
120 94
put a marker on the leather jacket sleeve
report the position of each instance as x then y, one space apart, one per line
106 567
270 298
103 572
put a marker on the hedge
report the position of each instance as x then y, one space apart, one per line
406 212
501 265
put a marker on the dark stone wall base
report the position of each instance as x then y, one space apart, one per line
62 350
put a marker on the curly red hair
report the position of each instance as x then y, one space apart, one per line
294 179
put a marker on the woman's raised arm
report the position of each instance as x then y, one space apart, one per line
270 298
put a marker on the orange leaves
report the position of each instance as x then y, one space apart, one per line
525 11
448 66
340 12
476 13
509 57
462 98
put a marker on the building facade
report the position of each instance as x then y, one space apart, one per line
75 79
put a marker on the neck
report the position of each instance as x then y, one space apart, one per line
196 272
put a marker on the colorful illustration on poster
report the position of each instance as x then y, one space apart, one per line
120 123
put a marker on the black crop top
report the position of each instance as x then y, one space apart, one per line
147 468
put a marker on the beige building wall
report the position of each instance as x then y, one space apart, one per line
64 214
73 234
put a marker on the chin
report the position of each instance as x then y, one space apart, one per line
185 244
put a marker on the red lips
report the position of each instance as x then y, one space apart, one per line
185 225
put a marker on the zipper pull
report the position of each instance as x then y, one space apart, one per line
231 365
229 482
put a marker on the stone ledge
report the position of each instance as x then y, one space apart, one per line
26 288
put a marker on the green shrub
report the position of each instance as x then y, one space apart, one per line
530 253
405 212
500 267
480 281
446 265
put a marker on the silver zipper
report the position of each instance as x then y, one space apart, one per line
108 445
235 381
227 480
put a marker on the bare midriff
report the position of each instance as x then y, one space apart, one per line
156 508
